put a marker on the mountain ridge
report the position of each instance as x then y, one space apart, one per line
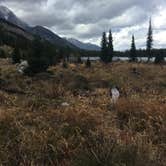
45 33
8 16
50 36
82 45
15 29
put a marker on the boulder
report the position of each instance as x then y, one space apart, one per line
22 66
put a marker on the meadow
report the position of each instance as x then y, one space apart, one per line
36 128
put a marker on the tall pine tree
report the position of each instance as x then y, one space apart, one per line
149 43
110 47
104 48
16 56
133 56
38 60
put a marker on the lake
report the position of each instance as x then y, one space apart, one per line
143 59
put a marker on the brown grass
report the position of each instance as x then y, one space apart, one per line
35 129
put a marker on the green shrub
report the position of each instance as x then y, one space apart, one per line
88 63
159 59
64 64
16 56
2 54
79 83
38 60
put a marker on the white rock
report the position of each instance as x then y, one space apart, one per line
22 66
20 71
115 95
65 104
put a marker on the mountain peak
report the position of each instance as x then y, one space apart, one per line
8 15
4 9
5 12
82 45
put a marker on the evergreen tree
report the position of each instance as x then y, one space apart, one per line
79 60
64 64
38 59
133 56
88 63
2 53
68 52
1 35
160 57
110 47
104 48
149 43
16 56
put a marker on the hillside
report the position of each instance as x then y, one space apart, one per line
13 29
37 128
16 37
82 45
8 16
51 37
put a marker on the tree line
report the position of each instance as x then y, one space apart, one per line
39 53
107 49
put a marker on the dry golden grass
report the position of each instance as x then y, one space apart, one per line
35 129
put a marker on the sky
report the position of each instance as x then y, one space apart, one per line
86 20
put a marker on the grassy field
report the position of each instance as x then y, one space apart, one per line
36 129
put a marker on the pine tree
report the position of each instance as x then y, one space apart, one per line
65 64
149 43
2 53
16 56
38 60
133 56
79 60
104 48
159 57
88 63
110 47
1 35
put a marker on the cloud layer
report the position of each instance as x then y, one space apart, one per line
87 19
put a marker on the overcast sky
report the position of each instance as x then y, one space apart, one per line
87 19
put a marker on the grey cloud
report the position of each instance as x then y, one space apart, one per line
66 17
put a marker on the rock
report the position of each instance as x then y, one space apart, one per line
65 104
22 66
115 94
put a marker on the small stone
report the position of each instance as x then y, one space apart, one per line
115 94
65 104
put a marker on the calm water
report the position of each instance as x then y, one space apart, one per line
143 59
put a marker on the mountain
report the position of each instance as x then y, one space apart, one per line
13 30
7 15
50 36
84 46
